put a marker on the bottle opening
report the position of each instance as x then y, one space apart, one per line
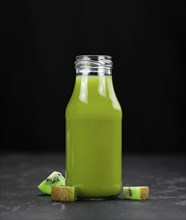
93 64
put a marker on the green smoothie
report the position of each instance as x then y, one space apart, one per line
93 138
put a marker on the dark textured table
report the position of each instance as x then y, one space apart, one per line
20 198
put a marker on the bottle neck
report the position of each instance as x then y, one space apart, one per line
89 71
95 91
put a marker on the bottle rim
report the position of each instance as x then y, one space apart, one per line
94 56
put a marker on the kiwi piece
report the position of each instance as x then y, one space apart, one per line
54 179
64 193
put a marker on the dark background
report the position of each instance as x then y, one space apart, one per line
41 40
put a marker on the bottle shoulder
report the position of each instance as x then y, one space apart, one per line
77 108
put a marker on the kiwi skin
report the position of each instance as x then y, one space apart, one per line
54 179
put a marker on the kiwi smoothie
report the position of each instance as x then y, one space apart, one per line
93 138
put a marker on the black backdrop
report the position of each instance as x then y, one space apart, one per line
41 40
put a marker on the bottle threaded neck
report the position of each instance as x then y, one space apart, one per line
93 64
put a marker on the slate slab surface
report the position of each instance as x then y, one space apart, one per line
20 198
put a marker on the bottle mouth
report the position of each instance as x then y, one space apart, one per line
94 62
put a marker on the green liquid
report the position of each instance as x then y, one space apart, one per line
93 138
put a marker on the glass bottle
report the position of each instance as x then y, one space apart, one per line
94 130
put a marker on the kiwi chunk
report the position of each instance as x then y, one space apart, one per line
54 179
135 192
64 193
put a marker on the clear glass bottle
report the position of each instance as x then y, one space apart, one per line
94 130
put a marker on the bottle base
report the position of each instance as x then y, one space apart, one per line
98 192
100 198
